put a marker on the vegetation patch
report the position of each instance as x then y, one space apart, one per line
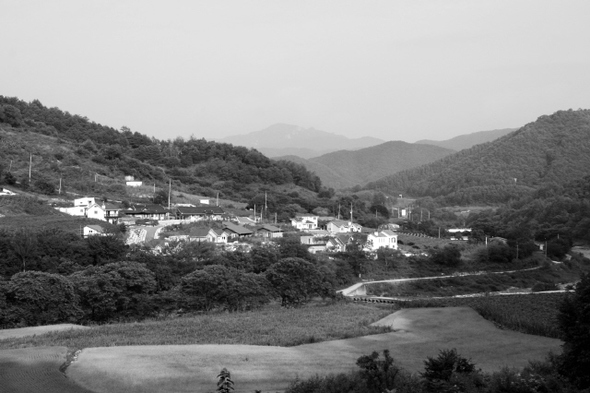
273 325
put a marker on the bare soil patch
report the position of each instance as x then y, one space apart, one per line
193 368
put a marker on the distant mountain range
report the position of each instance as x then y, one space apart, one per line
555 149
348 168
345 169
462 142
285 139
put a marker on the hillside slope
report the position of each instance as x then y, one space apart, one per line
467 141
87 157
343 169
553 149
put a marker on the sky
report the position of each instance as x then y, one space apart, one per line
392 69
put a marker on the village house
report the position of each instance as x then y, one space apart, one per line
338 243
93 230
6 192
146 212
218 236
237 231
131 182
342 226
304 222
269 231
85 207
214 213
381 239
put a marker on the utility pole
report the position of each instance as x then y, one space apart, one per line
169 192
59 192
30 165
217 202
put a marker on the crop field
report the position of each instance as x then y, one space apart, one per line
532 314
273 325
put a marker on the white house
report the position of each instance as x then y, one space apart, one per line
269 231
341 226
303 222
218 236
4 191
381 239
96 211
93 230
84 202
78 211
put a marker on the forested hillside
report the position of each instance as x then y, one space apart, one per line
345 169
554 149
77 150
554 212
469 140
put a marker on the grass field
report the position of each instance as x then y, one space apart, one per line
531 314
418 333
273 325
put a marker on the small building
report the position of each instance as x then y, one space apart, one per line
338 243
218 236
341 226
131 182
304 222
315 248
198 213
146 212
269 231
6 192
237 231
84 202
78 211
95 211
381 239
93 230
199 234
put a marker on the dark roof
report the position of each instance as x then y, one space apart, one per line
240 230
199 232
199 210
97 228
267 227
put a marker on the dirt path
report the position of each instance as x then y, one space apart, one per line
193 368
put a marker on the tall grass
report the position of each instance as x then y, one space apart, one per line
272 325
531 314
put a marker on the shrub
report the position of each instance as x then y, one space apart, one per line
450 372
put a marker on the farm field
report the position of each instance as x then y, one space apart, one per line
418 333
268 348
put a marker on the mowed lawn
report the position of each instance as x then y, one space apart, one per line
418 333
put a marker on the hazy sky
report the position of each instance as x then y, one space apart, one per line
396 70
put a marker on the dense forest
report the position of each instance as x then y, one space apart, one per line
200 166
554 149
553 212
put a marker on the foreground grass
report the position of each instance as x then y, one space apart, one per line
272 325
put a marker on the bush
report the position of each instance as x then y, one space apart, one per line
450 372
37 298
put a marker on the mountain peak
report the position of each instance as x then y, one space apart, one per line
274 139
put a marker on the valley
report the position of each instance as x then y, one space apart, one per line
183 255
